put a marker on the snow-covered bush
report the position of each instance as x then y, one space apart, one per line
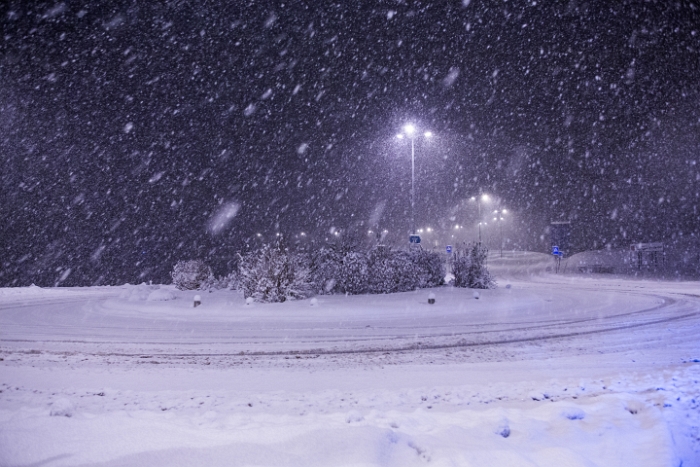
273 274
191 275
325 265
354 273
381 270
390 271
468 266
230 282
430 267
339 269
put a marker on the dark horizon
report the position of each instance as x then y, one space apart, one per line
126 129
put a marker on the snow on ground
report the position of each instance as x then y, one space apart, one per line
546 369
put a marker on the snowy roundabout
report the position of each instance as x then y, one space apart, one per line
575 370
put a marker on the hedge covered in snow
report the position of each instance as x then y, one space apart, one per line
336 269
468 265
192 275
273 274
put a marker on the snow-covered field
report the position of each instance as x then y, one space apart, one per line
544 370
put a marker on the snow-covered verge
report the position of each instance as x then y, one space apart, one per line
575 370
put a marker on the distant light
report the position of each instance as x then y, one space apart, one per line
504 211
428 134
495 219
303 234
385 231
259 235
430 229
399 136
472 198
409 129
484 197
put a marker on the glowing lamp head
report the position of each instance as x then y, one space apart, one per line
409 129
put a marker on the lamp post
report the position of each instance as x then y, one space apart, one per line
409 131
478 200
499 218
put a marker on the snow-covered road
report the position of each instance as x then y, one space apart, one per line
234 383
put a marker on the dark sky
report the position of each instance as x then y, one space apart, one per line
125 129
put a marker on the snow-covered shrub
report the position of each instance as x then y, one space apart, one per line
273 274
430 266
353 277
325 265
229 281
468 266
389 271
191 275
338 269
381 270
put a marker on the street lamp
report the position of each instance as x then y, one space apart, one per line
479 199
409 130
499 218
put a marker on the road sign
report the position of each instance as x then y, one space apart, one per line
647 247
448 249
555 250
414 239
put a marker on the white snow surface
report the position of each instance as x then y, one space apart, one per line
554 370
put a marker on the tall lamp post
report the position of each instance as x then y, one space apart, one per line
499 218
478 200
409 131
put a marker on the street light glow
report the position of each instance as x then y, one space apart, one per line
399 136
428 134
409 129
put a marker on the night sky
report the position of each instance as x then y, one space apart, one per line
125 130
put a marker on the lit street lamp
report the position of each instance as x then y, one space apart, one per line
409 131
499 218
478 200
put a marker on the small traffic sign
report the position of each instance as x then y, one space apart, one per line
448 249
555 250
414 239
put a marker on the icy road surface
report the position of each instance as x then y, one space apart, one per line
543 370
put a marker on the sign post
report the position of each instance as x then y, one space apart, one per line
557 256
652 248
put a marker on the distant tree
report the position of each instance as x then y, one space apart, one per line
191 275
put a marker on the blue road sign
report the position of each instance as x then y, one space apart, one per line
555 250
414 239
448 249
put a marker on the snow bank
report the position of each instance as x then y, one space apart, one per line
160 295
525 434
